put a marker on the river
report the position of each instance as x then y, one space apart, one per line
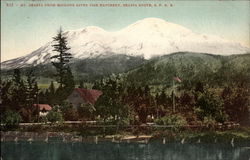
58 150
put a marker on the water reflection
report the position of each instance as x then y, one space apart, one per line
123 151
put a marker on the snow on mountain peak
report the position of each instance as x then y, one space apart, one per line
157 24
148 37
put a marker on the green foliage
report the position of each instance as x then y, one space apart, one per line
54 116
81 84
18 91
11 119
31 89
60 61
192 68
43 119
6 92
208 104
71 114
96 68
140 101
174 120
52 88
236 100
20 94
212 88
209 121
186 102
62 58
86 111
109 104
68 111
69 83
87 70
49 97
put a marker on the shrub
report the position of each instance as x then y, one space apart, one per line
54 116
210 105
43 119
175 120
11 119
86 111
68 111
209 121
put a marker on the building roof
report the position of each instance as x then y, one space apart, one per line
89 95
45 107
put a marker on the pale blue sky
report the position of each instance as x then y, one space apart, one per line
24 29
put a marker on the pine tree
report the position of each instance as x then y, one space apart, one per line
5 93
51 93
32 89
18 91
69 80
17 77
146 91
52 88
64 75
62 59
157 101
162 98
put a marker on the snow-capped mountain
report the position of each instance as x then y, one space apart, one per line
148 38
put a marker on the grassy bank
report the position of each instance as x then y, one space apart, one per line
206 136
187 135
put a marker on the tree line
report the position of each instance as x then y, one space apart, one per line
201 103
19 94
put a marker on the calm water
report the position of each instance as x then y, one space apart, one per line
123 151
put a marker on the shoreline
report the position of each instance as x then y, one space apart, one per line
232 138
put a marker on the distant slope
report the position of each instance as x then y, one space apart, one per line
94 68
88 69
191 67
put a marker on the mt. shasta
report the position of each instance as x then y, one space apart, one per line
146 38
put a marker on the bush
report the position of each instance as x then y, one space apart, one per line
175 120
86 111
43 119
54 116
209 121
11 119
210 105
68 111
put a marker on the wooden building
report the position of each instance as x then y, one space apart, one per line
81 96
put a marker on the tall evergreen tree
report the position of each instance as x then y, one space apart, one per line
18 91
51 93
52 88
61 60
32 89
5 94
162 98
69 80
27 110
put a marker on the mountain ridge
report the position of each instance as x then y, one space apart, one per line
192 68
148 38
